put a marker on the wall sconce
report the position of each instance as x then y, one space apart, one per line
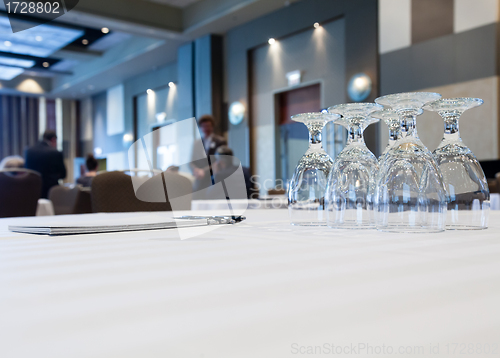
161 117
127 139
359 87
236 113
294 78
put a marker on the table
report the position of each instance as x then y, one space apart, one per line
258 289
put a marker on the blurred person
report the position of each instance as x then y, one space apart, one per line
223 168
47 160
91 164
12 162
205 147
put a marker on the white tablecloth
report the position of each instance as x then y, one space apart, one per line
257 289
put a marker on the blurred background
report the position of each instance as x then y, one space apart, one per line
107 73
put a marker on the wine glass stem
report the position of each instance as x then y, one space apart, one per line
393 135
451 130
408 124
355 135
314 137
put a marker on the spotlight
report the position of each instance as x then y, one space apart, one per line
105 30
39 38
85 41
171 84
45 64
149 91
271 41
8 43
316 25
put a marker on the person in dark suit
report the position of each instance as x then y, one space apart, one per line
224 168
47 160
204 148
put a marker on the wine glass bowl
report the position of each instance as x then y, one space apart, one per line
467 188
351 181
306 192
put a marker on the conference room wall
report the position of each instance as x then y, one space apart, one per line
361 54
464 61
114 147
320 55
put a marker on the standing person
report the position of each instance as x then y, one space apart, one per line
91 164
205 147
47 160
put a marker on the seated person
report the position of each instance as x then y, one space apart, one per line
12 162
91 164
223 168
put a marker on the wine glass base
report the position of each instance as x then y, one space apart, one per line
309 223
465 227
403 229
351 226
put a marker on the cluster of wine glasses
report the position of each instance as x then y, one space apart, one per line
408 188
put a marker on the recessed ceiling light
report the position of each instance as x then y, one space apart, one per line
45 64
39 38
105 30
271 41
85 41
149 91
7 43
316 25
171 84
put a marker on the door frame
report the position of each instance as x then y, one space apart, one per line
276 110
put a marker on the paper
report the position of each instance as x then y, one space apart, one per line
102 223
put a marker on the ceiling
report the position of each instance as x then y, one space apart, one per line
81 59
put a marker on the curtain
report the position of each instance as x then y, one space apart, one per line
18 124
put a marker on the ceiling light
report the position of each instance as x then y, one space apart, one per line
171 84
8 73
85 41
45 64
16 62
91 87
149 91
26 42
105 30
316 25
271 41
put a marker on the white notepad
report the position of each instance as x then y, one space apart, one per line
102 223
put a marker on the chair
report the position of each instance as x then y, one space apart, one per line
70 200
19 192
114 192
276 192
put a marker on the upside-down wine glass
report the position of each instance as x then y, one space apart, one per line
466 185
306 192
351 183
410 194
